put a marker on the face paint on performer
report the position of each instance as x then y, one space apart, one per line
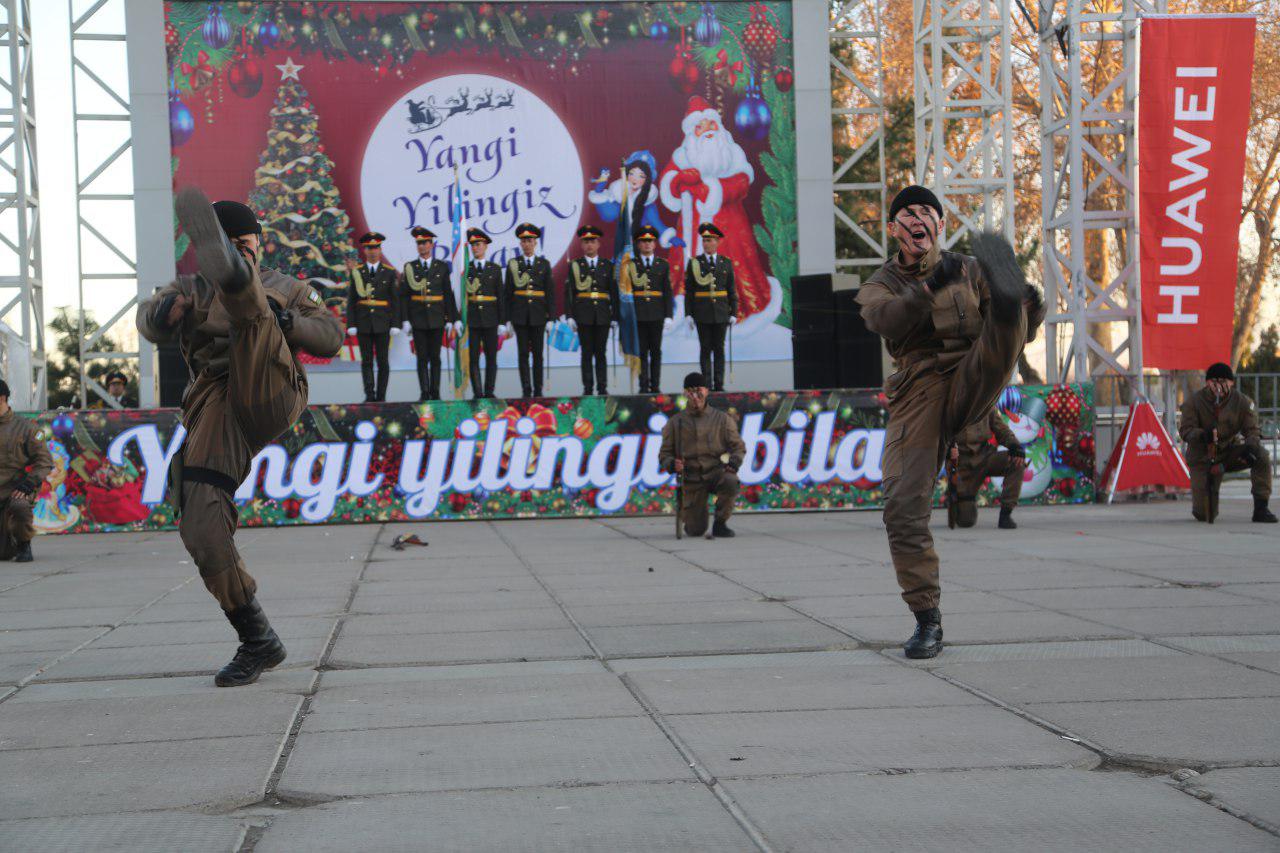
1220 388
916 230
695 398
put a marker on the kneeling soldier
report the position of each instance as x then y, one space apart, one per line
1220 427
703 446
20 450
976 459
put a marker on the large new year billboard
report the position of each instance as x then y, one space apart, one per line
331 119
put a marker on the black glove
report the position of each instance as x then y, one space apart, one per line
948 271
284 317
1250 455
24 483
1018 452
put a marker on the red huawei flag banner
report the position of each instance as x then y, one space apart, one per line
1193 117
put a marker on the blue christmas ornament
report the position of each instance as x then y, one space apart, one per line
659 31
63 426
752 117
707 30
268 34
1011 399
181 123
216 30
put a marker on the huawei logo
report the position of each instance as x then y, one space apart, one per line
1148 441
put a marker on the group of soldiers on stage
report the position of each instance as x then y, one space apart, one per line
518 299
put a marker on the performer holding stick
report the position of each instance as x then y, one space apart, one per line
1220 427
954 326
240 328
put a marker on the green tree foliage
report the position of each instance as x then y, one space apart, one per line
64 362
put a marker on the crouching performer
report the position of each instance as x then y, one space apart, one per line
239 327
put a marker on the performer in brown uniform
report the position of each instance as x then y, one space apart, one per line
976 459
373 314
24 463
530 306
954 327
651 290
239 327
428 306
711 302
710 451
591 302
1220 427
486 313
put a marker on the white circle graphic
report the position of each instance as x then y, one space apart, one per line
515 162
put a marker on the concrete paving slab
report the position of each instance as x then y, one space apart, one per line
497 755
15 666
83 780
1223 644
64 617
84 722
885 604
718 590
506 698
1115 598
276 603
1047 651
674 817
515 619
150 832
715 638
854 657
1263 591
787 687
459 647
436 586
1240 619
1038 577
981 811
1021 625
1178 732
677 612
1255 791
281 681
191 659
449 601
290 629
1266 661
46 639
516 669
958 737
1171 677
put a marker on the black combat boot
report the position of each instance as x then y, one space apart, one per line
926 642
1261 514
24 550
217 256
260 648
1006 519
720 530
1005 280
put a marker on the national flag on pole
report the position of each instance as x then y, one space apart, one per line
628 333
461 259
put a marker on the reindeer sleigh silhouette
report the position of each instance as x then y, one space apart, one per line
427 115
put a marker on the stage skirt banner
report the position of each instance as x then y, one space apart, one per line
547 458
333 119
1193 119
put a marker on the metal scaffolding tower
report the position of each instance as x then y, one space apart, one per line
963 121
1088 161
858 125
21 289
104 183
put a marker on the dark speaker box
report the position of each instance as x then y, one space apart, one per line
811 304
812 365
174 374
857 349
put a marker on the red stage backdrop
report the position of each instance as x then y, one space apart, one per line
1193 119
336 118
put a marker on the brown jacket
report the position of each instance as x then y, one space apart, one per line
972 440
205 332
704 439
1236 419
20 449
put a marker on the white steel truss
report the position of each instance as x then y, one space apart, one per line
21 288
1088 160
858 124
963 117
107 253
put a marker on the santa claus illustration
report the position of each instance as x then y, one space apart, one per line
707 179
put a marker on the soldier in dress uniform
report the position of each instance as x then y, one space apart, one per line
428 306
976 458
530 306
373 314
591 303
711 302
651 289
486 313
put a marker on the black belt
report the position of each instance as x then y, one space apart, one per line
210 477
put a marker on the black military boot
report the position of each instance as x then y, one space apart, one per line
219 260
1261 513
24 550
926 642
1005 280
720 530
1006 519
260 648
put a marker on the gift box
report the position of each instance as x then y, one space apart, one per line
564 338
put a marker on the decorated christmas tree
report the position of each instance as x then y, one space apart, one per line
305 231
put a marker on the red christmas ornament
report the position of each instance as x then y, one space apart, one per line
759 39
1063 408
457 501
172 41
691 75
784 79
292 508
676 68
245 77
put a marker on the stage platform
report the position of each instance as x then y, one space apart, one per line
1112 683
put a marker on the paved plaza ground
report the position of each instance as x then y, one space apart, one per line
1112 682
